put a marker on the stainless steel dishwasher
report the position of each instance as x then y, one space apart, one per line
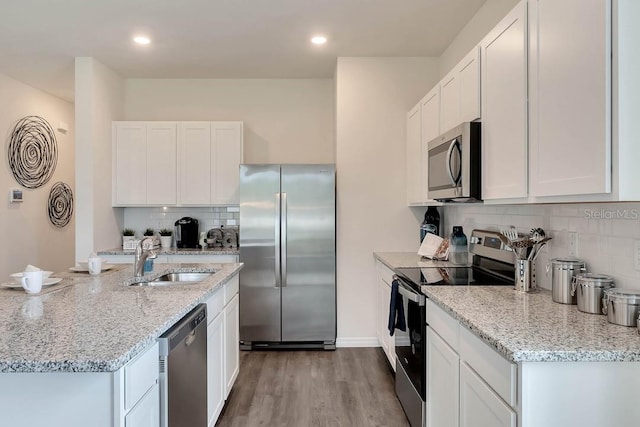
183 371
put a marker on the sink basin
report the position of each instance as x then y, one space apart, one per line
183 277
175 279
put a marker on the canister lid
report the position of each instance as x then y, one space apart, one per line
567 263
629 295
594 279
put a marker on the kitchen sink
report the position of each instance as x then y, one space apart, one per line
175 279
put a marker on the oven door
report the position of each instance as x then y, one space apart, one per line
411 354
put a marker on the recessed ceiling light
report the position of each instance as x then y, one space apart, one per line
142 39
318 39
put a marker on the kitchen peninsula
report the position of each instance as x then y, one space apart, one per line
86 354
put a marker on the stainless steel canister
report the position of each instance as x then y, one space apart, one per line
621 306
589 288
562 272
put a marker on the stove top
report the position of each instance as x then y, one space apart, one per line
492 265
454 276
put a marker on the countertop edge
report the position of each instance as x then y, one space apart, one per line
174 251
525 356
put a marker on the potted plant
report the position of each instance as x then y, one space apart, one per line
165 238
149 232
128 236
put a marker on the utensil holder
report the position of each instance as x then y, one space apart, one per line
525 276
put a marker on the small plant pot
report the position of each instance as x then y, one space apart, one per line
165 241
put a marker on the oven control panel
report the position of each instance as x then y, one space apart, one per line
487 244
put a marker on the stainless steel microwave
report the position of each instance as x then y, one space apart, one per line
453 172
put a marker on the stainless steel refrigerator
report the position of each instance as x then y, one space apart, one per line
288 247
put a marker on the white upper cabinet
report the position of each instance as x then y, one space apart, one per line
504 107
176 163
430 113
450 101
423 125
144 169
469 75
460 93
210 154
413 163
194 157
570 97
161 164
226 156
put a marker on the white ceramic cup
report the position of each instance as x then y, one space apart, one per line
94 264
32 281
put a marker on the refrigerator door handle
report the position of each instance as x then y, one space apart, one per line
277 243
283 243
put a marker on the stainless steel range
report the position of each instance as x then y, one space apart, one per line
492 264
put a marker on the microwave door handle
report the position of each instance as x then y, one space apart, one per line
449 154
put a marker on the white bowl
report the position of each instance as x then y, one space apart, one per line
45 275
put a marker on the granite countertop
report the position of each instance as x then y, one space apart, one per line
96 324
395 260
530 327
176 251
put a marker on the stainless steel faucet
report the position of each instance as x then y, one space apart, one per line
141 255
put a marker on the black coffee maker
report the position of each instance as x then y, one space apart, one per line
186 232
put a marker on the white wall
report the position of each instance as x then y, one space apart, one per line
373 96
606 233
285 120
482 22
99 100
28 237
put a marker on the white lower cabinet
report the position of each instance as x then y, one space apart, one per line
223 346
128 397
442 381
215 368
463 374
231 343
480 406
383 292
147 412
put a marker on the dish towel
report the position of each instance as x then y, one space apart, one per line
396 310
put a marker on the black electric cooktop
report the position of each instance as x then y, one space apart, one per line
484 272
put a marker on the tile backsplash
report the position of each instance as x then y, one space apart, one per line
140 219
606 233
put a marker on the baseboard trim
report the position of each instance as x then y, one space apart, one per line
357 342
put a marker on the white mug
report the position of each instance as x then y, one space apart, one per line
95 265
32 281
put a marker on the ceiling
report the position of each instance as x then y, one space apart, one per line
217 38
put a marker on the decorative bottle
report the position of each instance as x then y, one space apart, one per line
458 248
431 223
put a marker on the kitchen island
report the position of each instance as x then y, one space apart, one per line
76 354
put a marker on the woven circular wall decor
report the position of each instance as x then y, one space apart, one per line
33 152
60 204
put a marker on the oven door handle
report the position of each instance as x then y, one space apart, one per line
411 296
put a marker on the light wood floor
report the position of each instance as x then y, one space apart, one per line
348 387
